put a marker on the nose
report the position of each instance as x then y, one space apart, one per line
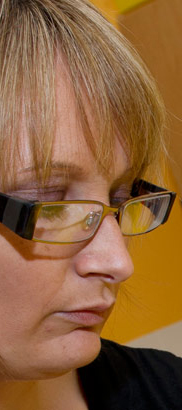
106 255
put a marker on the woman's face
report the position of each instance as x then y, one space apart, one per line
55 299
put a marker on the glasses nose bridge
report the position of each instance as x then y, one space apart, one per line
110 210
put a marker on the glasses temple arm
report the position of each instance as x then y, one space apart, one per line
17 215
142 187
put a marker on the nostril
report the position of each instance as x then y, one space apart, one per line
103 276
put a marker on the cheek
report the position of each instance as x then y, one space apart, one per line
27 287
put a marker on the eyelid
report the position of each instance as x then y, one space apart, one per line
120 195
51 194
123 189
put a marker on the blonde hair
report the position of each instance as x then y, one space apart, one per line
121 92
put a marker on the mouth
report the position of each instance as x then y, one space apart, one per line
86 316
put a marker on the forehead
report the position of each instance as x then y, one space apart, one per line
70 151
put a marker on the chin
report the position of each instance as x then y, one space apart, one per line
88 346
75 350
57 356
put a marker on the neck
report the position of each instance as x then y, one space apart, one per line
61 393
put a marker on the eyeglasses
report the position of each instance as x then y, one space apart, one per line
68 222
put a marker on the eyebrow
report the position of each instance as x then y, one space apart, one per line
73 171
64 168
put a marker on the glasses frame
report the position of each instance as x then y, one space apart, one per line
20 215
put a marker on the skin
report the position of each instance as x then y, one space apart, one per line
41 352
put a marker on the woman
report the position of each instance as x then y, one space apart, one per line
81 120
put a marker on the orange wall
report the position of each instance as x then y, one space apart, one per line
109 8
150 299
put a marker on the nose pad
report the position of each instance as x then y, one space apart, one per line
91 221
117 216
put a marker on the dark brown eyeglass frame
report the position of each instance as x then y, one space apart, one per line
20 215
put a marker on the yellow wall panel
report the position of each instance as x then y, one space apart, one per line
126 5
111 8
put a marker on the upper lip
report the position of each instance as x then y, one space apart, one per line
96 308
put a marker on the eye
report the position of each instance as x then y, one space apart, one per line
120 195
51 212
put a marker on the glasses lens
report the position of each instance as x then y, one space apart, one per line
64 223
141 216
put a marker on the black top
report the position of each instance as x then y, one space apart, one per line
126 378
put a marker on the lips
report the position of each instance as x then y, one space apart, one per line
86 316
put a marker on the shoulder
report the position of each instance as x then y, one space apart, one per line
141 358
136 377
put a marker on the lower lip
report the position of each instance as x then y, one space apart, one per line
85 318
